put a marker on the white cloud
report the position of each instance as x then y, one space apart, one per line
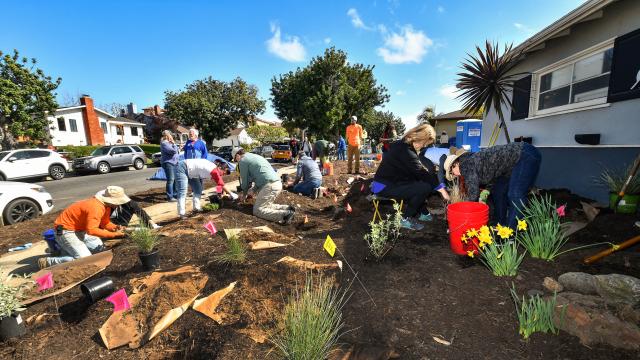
407 47
448 91
289 49
410 120
401 92
327 40
440 9
356 20
522 27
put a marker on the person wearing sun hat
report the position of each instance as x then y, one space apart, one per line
80 228
510 169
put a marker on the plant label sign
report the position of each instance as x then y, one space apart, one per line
330 246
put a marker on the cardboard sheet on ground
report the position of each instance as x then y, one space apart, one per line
22 262
256 245
208 305
307 265
123 328
99 261
590 213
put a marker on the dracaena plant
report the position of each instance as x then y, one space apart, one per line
487 79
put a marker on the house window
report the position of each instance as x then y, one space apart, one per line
134 131
103 125
73 126
62 126
119 130
580 82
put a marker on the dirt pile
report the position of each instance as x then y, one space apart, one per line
253 235
63 278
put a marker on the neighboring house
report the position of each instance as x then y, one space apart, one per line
87 125
156 121
235 138
447 122
581 76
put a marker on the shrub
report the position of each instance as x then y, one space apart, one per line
78 151
145 238
498 251
236 252
311 322
535 314
10 299
384 234
150 149
544 237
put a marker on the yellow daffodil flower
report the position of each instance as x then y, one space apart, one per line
485 238
470 253
505 232
471 233
464 238
522 225
484 229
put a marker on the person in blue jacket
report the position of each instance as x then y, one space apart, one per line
195 148
342 149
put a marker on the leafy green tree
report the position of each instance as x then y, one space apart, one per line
427 114
265 134
215 107
26 97
323 95
376 121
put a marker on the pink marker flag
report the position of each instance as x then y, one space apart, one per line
211 227
45 281
362 188
119 300
561 210
219 189
349 209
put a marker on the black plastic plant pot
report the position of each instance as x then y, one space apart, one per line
12 326
150 261
238 188
214 199
97 289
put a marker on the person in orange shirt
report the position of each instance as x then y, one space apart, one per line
81 227
354 137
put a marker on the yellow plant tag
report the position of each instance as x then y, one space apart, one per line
330 246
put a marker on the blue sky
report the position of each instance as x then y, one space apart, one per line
132 51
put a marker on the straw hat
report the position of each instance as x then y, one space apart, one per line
455 154
113 195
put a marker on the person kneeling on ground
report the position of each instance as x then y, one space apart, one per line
511 170
193 172
401 175
257 170
307 171
80 228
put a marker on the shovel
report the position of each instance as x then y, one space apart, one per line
634 170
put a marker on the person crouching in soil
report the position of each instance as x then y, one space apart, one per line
308 177
401 175
257 170
511 170
80 228
193 172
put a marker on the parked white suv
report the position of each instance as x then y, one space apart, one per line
22 201
30 163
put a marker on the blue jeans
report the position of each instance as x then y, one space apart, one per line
170 173
342 154
75 245
306 187
182 182
510 193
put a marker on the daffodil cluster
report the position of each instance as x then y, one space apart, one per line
486 235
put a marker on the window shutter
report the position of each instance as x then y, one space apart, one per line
521 97
624 81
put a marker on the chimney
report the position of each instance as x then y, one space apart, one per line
157 110
132 109
92 128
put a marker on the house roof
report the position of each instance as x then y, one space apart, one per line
236 132
125 121
455 115
590 10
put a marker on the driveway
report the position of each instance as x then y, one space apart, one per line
72 189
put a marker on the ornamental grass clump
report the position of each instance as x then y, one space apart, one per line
145 238
312 321
384 234
11 298
535 314
497 250
236 252
544 238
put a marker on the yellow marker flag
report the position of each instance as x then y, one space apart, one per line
330 246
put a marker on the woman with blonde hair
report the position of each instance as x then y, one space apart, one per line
169 160
401 175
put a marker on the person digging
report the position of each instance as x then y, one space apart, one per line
254 169
308 177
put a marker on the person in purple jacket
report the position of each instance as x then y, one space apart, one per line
169 161
195 148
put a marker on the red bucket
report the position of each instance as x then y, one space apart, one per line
461 217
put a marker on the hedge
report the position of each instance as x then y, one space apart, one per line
149 149
78 151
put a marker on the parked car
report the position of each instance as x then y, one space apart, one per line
105 158
156 157
224 152
265 151
281 153
31 163
23 201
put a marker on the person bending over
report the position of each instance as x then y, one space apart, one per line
308 177
193 172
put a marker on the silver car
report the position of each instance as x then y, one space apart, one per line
106 158
265 151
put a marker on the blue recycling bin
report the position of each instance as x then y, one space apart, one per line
469 134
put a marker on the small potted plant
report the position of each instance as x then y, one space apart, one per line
11 324
146 240
615 180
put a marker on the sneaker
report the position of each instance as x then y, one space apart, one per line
155 226
173 200
425 217
288 219
411 224
316 193
42 263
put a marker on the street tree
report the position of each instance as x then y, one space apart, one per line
376 121
26 98
323 95
214 107
427 114
265 134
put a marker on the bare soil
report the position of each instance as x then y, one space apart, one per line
63 278
420 290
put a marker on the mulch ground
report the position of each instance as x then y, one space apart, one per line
420 290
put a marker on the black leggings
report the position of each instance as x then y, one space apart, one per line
123 214
414 195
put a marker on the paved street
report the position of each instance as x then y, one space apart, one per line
71 189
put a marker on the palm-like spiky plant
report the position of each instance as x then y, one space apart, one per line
487 80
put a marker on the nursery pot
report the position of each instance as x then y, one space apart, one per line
97 289
627 205
215 199
150 261
461 217
12 326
